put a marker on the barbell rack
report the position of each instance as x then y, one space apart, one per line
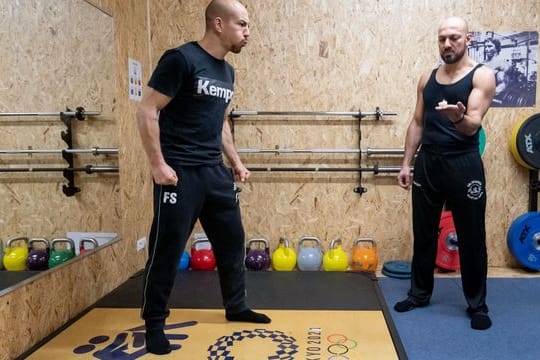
358 115
67 118
79 114
89 169
94 151
374 169
378 113
367 151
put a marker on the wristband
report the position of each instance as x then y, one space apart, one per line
460 119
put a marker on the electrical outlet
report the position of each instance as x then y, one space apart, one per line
141 243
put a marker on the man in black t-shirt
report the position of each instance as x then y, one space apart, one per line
451 103
183 126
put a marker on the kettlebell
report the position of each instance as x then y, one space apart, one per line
15 256
87 240
183 264
257 259
61 255
309 257
284 257
202 259
38 257
336 258
364 258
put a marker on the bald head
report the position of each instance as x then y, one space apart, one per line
221 8
455 23
454 38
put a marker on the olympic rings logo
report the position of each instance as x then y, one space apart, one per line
339 346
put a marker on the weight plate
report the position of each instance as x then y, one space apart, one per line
447 249
482 141
398 267
396 276
514 230
523 240
525 142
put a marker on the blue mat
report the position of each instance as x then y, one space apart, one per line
442 330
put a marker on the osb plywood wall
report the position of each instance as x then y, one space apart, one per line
348 56
61 55
304 55
62 293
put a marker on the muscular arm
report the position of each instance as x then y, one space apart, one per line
468 119
229 149
147 120
479 101
414 134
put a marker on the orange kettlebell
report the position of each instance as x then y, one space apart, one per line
364 257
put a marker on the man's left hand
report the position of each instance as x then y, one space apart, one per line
454 112
241 173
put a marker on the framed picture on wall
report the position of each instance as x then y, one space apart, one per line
514 58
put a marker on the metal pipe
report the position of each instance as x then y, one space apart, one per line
68 113
93 151
89 169
368 151
238 113
375 169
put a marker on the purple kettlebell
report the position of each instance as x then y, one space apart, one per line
257 257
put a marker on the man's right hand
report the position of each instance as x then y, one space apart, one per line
164 175
404 177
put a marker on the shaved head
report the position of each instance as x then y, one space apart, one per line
221 8
455 23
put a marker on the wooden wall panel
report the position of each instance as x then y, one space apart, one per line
303 55
345 56
118 203
61 54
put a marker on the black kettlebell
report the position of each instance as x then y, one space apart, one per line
38 257
257 259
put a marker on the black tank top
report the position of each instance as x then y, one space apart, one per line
439 133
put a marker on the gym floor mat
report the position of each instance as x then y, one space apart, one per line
315 315
108 333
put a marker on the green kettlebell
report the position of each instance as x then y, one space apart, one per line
61 255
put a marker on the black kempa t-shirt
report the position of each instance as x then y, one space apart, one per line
201 87
438 130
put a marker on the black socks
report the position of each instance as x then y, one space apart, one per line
156 342
248 316
407 305
480 320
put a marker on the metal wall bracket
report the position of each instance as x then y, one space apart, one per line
70 189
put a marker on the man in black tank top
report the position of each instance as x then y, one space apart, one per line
448 171
182 121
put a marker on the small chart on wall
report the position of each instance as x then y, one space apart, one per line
514 58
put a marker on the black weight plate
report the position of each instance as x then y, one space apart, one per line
528 141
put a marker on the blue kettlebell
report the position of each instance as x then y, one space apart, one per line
309 257
183 264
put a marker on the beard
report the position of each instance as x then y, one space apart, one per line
451 57
236 48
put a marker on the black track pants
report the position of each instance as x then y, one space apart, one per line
459 182
207 193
